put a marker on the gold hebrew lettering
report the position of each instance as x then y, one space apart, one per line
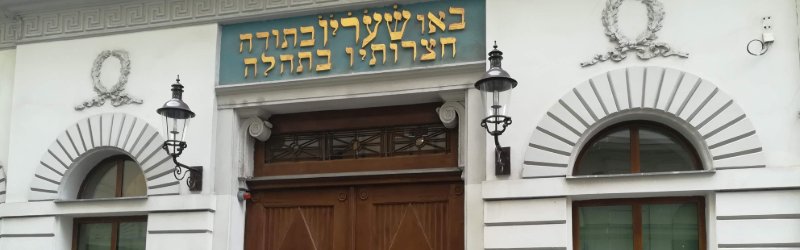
307 42
429 46
352 22
251 61
325 66
349 51
410 45
242 38
445 41
377 47
396 34
363 54
265 36
373 32
421 19
291 32
334 25
290 59
300 57
393 47
459 25
434 22
265 60
276 34
324 24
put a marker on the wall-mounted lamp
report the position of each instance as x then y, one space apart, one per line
176 115
495 86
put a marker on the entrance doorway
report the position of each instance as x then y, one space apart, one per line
369 179
368 217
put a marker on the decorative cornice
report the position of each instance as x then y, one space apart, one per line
9 31
38 26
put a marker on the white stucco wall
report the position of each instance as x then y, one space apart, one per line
545 41
53 77
7 62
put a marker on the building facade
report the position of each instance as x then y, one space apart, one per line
356 125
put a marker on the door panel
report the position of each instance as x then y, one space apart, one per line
413 216
364 217
298 219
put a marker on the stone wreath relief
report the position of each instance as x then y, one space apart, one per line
116 94
644 45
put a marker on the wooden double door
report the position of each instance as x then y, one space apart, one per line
411 216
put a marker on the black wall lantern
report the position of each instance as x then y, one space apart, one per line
176 115
495 87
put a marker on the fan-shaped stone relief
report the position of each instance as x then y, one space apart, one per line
117 132
724 133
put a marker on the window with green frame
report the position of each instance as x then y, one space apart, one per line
110 233
114 177
639 224
636 147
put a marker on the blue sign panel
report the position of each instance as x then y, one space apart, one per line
368 40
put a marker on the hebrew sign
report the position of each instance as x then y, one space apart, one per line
367 40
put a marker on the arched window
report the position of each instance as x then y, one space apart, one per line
114 177
636 147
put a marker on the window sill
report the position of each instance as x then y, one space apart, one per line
134 198
673 173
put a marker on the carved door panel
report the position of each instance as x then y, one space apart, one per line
412 216
299 220
362 217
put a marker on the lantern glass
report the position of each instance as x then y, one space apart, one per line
175 120
496 95
174 129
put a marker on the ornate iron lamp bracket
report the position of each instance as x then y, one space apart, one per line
195 180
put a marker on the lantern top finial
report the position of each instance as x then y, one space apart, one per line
175 107
495 57
489 81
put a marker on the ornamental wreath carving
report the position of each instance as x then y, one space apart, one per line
644 45
116 94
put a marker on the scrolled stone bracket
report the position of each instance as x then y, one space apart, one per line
450 112
259 129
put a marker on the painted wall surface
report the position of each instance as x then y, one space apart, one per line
52 78
545 41
7 62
